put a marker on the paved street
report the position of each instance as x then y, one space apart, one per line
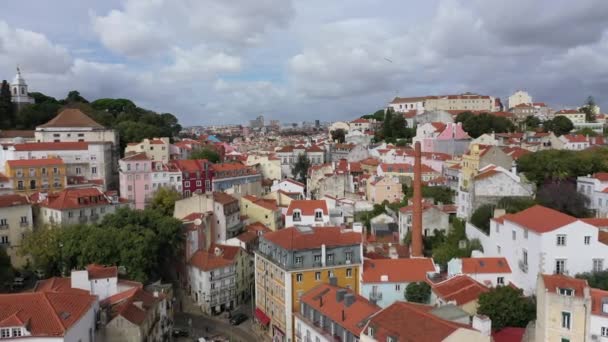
206 326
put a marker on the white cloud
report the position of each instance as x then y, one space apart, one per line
200 62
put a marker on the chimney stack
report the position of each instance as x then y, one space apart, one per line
417 219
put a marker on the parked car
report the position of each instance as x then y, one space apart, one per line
238 319
179 332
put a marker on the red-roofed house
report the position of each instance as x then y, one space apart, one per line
360 125
349 312
197 175
289 156
79 205
542 240
384 281
307 213
236 178
486 270
263 210
575 142
404 321
32 175
595 187
290 186
15 219
157 149
460 290
435 218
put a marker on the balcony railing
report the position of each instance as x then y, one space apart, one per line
4 226
375 296
523 266
24 224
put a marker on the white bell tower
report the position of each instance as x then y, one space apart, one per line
19 91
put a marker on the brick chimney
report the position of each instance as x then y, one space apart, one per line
417 218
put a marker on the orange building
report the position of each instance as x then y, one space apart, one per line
33 175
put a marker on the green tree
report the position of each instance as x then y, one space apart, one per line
387 127
74 96
399 127
587 131
531 122
300 168
418 292
563 196
476 125
164 200
439 194
589 109
6 269
560 125
506 306
481 217
206 153
7 110
597 280
515 204
450 247
338 135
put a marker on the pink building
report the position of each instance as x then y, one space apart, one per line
441 137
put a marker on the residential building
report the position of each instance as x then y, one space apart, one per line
268 165
479 157
292 261
449 138
523 110
289 156
15 221
197 176
81 205
595 187
575 142
236 179
460 290
360 125
307 213
213 276
34 175
289 186
328 312
542 240
384 281
563 309
85 162
574 115
265 211
227 212
405 172
407 104
435 219
157 149
403 321
386 188
485 270
519 97
462 102
48 316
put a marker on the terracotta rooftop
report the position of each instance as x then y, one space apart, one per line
293 238
138 156
223 198
307 207
485 265
46 314
539 219
100 272
269 204
14 133
411 322
13 200
553 282
51 146
75 198
397 270
209 260
597 299
323 298
34 162
71 117
460 289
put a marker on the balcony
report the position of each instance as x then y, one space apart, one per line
523 266
4 226
24 224
375 296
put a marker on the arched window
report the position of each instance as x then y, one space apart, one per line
22 90
15 91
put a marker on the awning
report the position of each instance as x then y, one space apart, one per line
261 317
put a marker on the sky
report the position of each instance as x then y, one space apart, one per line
220 62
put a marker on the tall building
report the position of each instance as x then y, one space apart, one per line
257 122
292 261
19 94
519 97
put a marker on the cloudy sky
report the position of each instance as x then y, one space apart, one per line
219 61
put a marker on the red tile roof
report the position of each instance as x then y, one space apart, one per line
597 298
360 120
137 156
439 126
13 200
224 198
209 260
15 133
52 146
75 198
308 207
397 270
539 219
265 203
34 162
568 111
293 239
411 322
509 334
100 272
351 318
485 265
71 117
601 176
553 282
124 304
460 289
46 313
190 165
575 138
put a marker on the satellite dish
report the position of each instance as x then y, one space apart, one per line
198 222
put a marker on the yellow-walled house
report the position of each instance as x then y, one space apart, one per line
33 175
265 211
480 156
292 261
15 220
380 189
268 165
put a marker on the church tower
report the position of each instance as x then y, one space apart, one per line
19 93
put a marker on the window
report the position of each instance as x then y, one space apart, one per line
370 331
70 214
5 333
187 183
349 273
566 320
398 287
296 216
514 234
299 260
198 183
566 292
598 265
3 222
349 256
317 258
317 276
16 332
498 249
299 277
525 257
23 219
587 240
330 257
318 215
4 240
94 170
500 280
561 240
604 331
560 266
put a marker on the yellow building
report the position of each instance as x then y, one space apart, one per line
292 261
480 156
380 189
15 220
33 175
268 165
573 115
562 308
265 211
